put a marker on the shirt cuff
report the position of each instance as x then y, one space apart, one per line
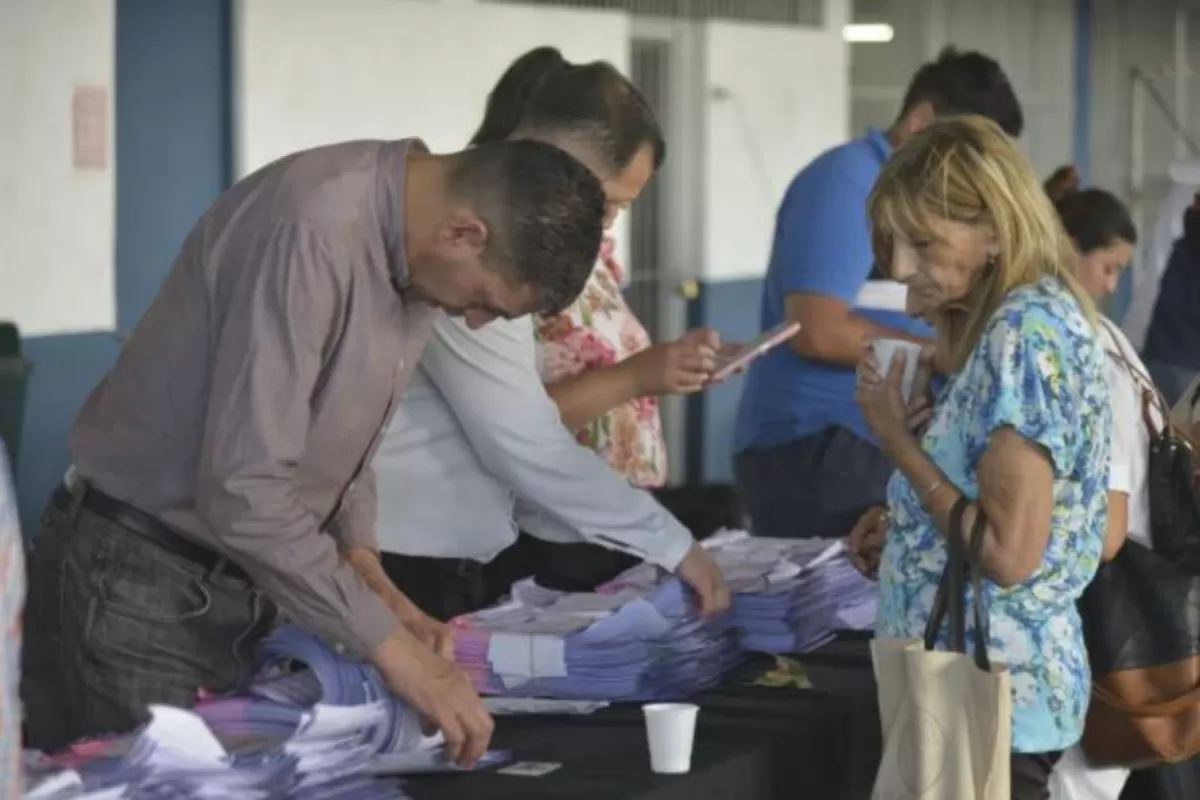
671 545
1120 478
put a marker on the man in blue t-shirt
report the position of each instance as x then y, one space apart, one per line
805 463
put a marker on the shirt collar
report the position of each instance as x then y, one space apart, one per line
393 168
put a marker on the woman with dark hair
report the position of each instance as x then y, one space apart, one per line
1104 236
595 357
488 431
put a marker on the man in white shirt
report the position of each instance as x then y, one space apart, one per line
477 451
478 447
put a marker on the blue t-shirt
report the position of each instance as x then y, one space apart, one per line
822 246
1039 369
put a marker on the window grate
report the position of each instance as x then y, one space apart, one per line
786 12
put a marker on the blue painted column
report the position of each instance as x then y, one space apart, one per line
173 135
1083 90
173 132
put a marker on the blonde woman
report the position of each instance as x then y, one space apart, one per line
1021 429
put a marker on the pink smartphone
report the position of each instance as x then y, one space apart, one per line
739 359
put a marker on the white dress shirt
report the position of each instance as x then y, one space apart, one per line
477 440
1129 460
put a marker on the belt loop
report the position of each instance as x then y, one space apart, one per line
76 493
217 568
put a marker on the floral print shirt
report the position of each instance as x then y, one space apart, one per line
596 331
1039 369
12 601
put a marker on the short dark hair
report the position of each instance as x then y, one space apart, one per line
966 83
544 212
1094 219
543 93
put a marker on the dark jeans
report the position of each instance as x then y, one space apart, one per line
816 487
114 623
1031 775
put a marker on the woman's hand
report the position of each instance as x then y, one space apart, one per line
865 543
684 366
881 401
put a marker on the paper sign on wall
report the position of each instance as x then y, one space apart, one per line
90 128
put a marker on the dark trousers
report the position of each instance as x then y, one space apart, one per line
443 588
815 487
115 622
1031 775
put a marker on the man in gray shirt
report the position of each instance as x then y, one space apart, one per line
222 467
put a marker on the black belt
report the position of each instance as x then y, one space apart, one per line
137 521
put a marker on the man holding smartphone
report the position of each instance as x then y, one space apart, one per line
805 464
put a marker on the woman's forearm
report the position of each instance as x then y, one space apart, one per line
938 496
585 397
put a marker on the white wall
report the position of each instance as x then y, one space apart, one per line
777 97
56 221
311 72
769 99
1034 43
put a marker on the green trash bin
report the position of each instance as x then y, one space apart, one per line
14 385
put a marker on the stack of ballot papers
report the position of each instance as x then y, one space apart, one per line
311 725
637 638
789 595
625 645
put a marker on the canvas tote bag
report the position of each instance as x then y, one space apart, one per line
947 716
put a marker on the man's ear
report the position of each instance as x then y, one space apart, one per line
466 230
919 117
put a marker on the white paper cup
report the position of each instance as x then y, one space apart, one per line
885 350
671 730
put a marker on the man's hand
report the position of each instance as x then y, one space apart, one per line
701 573
433 634
437 636
441 692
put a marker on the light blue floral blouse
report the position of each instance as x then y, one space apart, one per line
1038 369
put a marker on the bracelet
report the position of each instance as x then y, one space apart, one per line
928 493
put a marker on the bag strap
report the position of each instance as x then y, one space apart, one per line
948 601
1152 398
981 632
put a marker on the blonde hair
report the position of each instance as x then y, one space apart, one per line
966 169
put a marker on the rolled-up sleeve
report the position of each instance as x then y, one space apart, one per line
268 358
490 380
354 526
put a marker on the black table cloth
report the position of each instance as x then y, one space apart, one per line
606 762
751 742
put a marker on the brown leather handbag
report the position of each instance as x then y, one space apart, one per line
1141 618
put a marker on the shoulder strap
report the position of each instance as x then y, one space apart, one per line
1152 398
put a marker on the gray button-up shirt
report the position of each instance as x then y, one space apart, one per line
246 406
